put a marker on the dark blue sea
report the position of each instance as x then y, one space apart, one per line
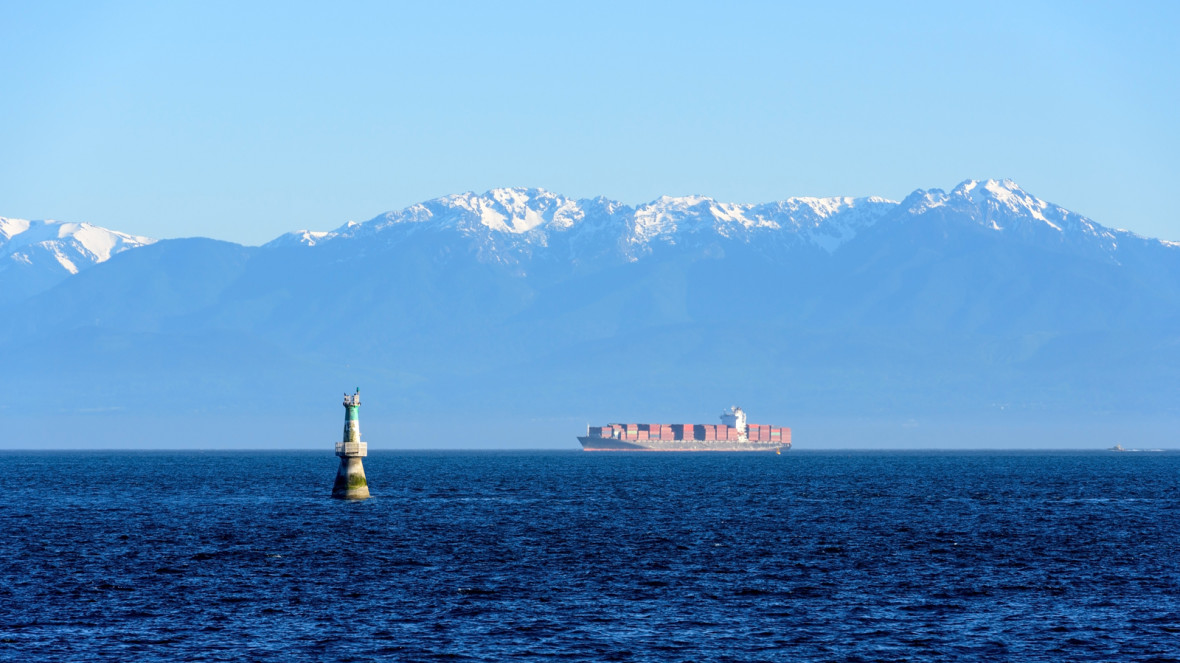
854 556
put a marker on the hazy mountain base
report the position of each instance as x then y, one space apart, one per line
924 390
388 431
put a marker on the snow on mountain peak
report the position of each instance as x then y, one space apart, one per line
508 224
512 219
10 228
992 203
1007 195
823 222
72 246
310 237
515 211
519 211
1002 206
667 215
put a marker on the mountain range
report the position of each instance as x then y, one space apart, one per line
37 255
966 316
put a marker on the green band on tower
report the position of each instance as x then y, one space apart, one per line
351 483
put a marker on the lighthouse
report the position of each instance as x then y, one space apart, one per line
350 478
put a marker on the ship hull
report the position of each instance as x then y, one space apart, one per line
611 444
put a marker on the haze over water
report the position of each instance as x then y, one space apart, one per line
812 556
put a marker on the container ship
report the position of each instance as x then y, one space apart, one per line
732 434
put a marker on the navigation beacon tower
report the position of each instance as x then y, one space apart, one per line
350 478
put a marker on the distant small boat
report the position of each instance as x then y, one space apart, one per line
1117 447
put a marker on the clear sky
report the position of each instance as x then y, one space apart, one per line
242 121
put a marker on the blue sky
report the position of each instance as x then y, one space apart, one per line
206 118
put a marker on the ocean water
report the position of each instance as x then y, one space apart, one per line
857 556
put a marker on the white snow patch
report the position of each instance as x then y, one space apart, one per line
65 262
313 237
494 219
9 228
97 241
71 246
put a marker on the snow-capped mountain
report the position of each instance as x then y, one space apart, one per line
1001 206
72 246
514 225
510 225
46 252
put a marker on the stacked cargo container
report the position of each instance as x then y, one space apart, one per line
760 433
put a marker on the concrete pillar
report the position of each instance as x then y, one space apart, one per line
350 478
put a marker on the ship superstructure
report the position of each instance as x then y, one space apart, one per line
734 433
